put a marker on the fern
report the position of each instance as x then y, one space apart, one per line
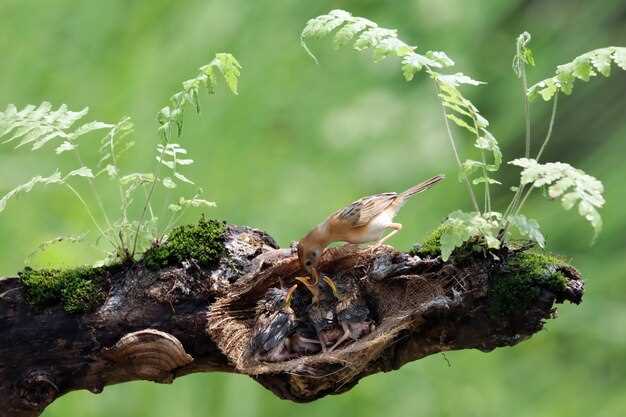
170 118
583 67
489 227
38 125
461 227
367 35
571 185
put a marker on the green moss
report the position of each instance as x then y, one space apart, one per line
431 245
202 242
79 290
520 283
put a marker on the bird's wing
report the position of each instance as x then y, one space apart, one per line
279 326
354 313
362 211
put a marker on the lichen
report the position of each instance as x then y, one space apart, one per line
520 282
79 290
202 242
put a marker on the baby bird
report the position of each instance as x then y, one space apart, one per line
321 312
275 324
365 220
352 311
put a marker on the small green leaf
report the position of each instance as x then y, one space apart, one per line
529 228
570 184
601 60
461 123
80 172
441 58
168 183
619 56
174 208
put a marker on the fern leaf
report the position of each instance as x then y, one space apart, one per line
116 142
37 126
170 118
529 228
55 178
461 227
573 186
80 172
367 35
583 67
196 202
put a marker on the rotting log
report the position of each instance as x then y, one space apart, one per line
162 324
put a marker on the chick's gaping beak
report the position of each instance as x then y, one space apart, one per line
314 274
289 297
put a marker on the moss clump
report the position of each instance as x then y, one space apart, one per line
203 242
79 290
519 284
431 245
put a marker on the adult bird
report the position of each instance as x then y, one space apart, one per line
365 220
275 323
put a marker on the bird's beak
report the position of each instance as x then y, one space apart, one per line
312 288
290 292
332 286
316 275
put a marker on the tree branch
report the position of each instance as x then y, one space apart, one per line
159 325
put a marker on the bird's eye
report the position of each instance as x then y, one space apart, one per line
307 263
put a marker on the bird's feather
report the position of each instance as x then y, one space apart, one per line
363 210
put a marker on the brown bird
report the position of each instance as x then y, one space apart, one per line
365 220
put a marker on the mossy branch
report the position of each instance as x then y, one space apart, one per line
188 306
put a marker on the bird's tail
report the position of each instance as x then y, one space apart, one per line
422 186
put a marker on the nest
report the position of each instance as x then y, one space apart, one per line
398 294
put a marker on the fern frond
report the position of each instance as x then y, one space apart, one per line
116 142
529 228
36 126
583 67
461 227
27 187
383 42
169 156
170 118
573 186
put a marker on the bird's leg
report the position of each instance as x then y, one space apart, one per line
322 340
344 337
396 228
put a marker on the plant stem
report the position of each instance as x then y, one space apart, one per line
513 206
456 153
526 108
552 119
156 170
94 190
93 219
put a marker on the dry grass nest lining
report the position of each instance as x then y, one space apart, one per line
398 304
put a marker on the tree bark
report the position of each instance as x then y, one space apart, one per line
160 325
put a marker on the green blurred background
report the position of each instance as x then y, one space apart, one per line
302 140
